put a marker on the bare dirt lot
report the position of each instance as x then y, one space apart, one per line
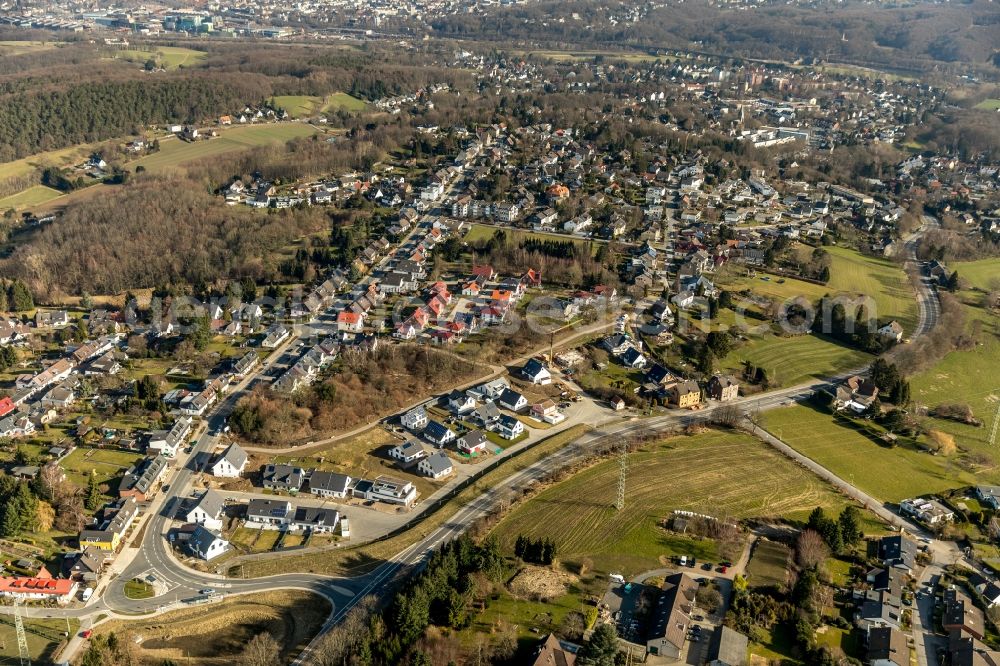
211 635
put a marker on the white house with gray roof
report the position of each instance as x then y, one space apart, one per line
231 463
207 510
436 466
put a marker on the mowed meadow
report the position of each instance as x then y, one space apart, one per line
175 152
793 359
719 473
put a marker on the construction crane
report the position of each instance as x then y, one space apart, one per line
552 342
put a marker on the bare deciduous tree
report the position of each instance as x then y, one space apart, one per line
810 550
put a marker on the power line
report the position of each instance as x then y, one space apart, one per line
622 472
22 641
996 422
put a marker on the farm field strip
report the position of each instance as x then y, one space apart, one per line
690 473
888 474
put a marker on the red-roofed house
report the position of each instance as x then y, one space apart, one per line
351 322
532 278
484 271
6 407
62 590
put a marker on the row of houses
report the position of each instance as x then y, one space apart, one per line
332 485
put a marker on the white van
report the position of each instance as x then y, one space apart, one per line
684 560
88 592
617 578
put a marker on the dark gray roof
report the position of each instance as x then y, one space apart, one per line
438 463
235 455
728 648
211 503
330 481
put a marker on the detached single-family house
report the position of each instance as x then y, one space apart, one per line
386 489
436 466
473 441
415 420
268 513
887 646
231 463
723 388
891 331
207 511
206 544
535 372
685 394
460 403
510 427
512 400
633 358
329 484
283 477
408 452
486 414
439 434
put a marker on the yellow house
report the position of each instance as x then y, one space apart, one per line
102 539
685 394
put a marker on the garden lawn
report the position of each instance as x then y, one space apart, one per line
889 474
724 474
106 464
989 105
174 152
769 565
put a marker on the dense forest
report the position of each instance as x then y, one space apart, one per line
154 232
362 388
92 111
917 37
77 93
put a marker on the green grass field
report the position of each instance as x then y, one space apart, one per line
13 48
170 57
851 274
718 473
889 474
305 106
61 157
44 637
33 196
791 360
175 153
482 232
983 274
769 565
138 589
794 360
989 104
854 273
107 464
